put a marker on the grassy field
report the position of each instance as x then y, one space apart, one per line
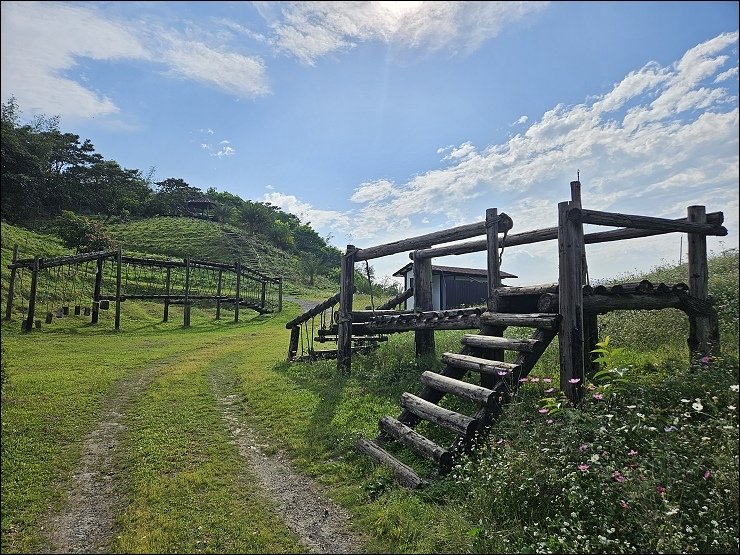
649 464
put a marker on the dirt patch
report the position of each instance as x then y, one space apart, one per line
85 523
303 303
321 524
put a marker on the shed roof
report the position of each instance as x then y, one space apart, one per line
473 272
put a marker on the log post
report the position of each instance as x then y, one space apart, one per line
28 324
167 285
494 283
280 294
344 325
118 289
295 335
186 300
263 294
570 293
238 270
700 329
218 294
11 284
96 292
423 301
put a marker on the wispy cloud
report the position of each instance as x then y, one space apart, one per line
41 41
310 30
328 219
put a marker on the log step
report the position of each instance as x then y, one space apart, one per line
493 342
458 423
477 364
417 443
481 395
536 320
404 474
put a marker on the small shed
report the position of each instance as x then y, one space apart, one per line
452 287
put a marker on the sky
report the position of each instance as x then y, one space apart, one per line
378 121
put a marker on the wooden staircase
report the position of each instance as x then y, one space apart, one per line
479 355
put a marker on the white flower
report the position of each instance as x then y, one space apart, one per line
735 388
685 400
697 406
672 512
594 458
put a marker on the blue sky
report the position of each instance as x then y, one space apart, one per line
377 121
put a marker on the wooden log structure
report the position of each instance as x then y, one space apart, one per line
167 288
238 270
493 284
632 221
218 293
27 325
397 300
481 395
570 279
423 338
186 303
117 323
404 474
701 339
601 303
425 241
550 233
53 262
416 442
344 330
96 291
459 423
318 309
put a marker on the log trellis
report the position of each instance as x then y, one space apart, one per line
254 289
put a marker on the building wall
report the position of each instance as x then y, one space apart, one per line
451 291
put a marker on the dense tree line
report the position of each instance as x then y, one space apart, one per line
46 172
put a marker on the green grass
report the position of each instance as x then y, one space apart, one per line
188 490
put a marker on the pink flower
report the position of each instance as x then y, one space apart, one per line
502 372
543 410
631 453
549 421
547 380
660 489
583 467
707 474
534 380
523 380
574 380
623 504
583 447
550 390
598 396
618 476
705 359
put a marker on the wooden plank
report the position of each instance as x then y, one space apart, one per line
417 442
478 364
644 222
481 395
454 421
404 474
492 342
534 320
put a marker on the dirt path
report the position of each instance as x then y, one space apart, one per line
321 524
85 523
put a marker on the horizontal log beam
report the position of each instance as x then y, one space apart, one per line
398 299
463 323
527 290
318 309
454 421
494 342
481 395
632 221
478 364
416 442
403 473
425 241
53 262
601 304
542 321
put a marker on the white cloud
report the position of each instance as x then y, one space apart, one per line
725 75
374 191
40 41
329 219
522 120
225 151
310 30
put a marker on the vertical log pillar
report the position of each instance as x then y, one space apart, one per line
590 320
344 324
218 295
295 335
263 295
28 324
423 301
570 280
11 285
118 289
700 328
494 282
167 284
186 300
238 270
96 292
280 294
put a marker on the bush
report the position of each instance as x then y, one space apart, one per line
83 234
